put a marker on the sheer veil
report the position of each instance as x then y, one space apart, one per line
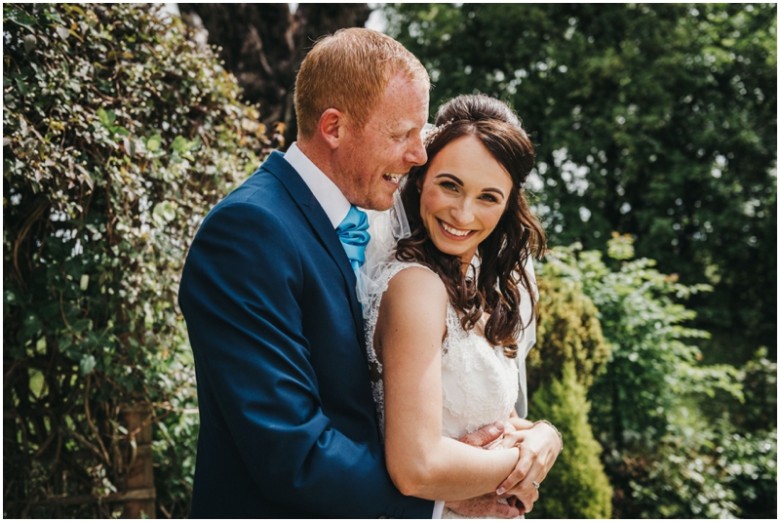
386 228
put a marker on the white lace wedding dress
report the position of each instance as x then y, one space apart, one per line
480 385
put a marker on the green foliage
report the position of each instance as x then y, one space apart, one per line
656 120
653 409
750 461
119 134
681 477
568 330
673 428
577 486
654 361
703 471
759 381
176 437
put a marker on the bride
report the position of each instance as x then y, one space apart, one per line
443 313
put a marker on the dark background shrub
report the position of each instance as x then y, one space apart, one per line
119 133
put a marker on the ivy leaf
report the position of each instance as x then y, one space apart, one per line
62 32
154 143
19 18
87 364
37 383
82 325
181 145
164 212
30 42
21 84
30 327
106 118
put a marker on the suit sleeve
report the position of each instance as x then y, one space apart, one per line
240 293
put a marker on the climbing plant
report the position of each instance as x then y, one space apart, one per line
119 133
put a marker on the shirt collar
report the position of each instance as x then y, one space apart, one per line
328 195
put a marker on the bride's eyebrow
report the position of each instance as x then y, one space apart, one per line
494 191
458 181
451 177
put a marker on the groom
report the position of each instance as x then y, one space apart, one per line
288 426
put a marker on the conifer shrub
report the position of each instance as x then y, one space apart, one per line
671 447
568 327
569 352
577 486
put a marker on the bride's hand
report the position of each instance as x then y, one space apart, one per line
539 445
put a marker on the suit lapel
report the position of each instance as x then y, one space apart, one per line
319 222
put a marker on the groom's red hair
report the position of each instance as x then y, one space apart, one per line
349 71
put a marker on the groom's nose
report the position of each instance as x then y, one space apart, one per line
416 154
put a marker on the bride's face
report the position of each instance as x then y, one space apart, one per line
463 196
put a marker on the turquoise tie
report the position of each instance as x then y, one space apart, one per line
354 236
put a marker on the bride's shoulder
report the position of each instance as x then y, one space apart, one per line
416 298
416 280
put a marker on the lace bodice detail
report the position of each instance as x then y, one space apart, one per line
479 384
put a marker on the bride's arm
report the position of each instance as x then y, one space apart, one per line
408 337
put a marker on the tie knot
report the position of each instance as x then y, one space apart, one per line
354 236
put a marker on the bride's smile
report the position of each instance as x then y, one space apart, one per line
463 197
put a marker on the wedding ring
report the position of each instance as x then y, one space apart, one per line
536 484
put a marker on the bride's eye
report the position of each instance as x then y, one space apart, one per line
448 185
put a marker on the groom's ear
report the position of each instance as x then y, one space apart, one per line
332 126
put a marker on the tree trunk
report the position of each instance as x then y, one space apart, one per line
139 495
264 44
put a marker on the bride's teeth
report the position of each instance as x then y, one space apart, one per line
455 231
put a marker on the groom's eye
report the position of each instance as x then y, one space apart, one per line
404 135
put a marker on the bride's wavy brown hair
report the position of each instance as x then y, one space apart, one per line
518 234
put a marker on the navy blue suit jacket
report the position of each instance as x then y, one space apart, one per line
287 423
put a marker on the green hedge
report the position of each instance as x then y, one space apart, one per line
577 486
119 134
570 351
569 329
681 439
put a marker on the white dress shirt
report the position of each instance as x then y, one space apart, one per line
328 195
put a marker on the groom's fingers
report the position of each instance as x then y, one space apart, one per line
483 436
521 424
511 438
526 493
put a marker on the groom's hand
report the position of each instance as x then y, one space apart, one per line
486 506
484 436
